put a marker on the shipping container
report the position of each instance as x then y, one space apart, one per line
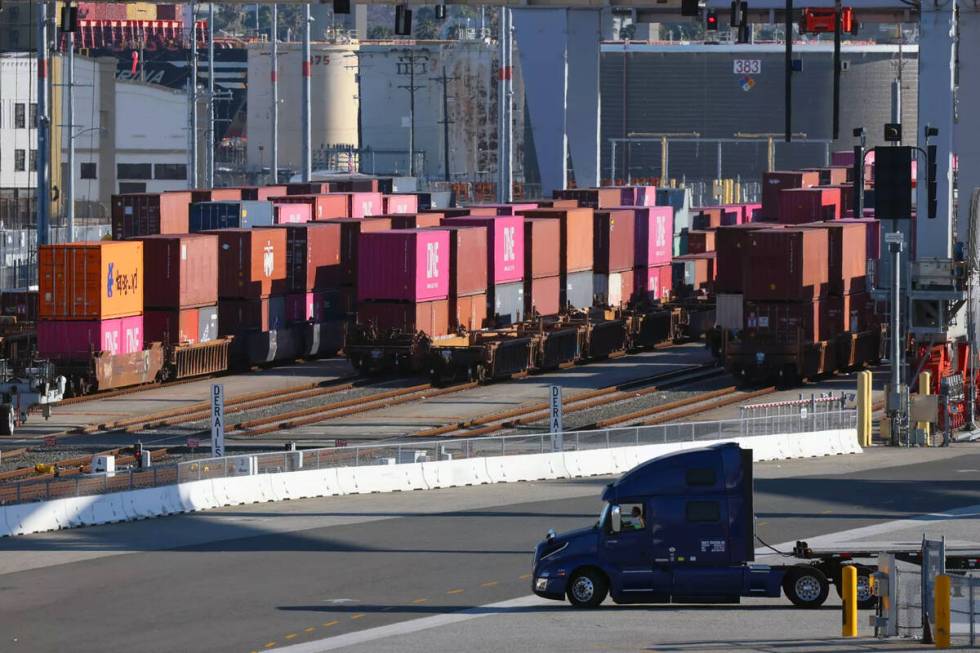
365 185
206 216
251 262
732 214
706 217
728 311
236 316
291 213
846 196
146 214
542 248
207 323
653 230
400 203
507 303
655 282
21 304
555 203
309 188
644 196
542 295
731 245
499 209
614 289
800 205
596 198
362 205
832 175
350 238
872 233
846 256
694 272
774 182
505 239
300 307
751 212
435 200
334 304
79 339
814 320
431 318
699 242
577 291
414 220
312 255
91 280
786 265
183 270
613 241
467 260
404 264
468 312
262 347
172 326
576 236
262 193
324 207
103 11
451 212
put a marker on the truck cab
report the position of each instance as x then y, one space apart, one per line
675 529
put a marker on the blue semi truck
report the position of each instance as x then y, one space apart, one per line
680 529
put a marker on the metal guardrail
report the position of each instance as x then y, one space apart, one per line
413 452
965 608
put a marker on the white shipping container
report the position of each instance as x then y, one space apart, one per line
728 310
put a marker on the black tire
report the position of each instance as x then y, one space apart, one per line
806 586
7 421
866 600
587 588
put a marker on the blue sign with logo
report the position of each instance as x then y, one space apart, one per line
109 281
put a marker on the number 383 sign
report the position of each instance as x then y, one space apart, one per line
747 66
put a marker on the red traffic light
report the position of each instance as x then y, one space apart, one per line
711 21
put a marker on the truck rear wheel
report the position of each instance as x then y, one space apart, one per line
866 599
806 586
587 588
7 420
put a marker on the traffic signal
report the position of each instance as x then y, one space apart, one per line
341 6
440 12
403 20
893 182
690 8
711 21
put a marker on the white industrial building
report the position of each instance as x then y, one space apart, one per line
18 108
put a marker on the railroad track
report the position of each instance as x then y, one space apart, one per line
74 465
682 408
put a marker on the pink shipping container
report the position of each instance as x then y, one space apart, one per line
505 238
71 338
291 213
403 264
656 281
654 236
366 204
400 203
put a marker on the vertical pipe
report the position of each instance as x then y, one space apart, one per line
509 99
275 94
896 330
307 72
69 135
501 93
626 113
42 126
193 96
788 91
718 169
837 37
445 123
411 113
211 132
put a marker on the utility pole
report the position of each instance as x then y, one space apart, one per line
42 126
445 122
307 72
70 119
411 88
211 132
275 92
193 96
505 117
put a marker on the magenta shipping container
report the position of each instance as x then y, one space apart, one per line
366 204
292 213
505 239
403 264
61 338
654 236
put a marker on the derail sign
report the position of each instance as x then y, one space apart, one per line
218 419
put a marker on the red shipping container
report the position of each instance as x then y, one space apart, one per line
732 214
172 327
312 255
613 243
846 196
801 205
291 213
787 265
400 203
79 338
542 248
431 318
467 260
751 212
872 234
300 307
596 198
810 320
656 281
654 233
699 242
225 194
324 207
847 248
365 204
500 209
263 314
832 175
555 203
404 264
731 246
468 312
182 271
251 262
350 238
414 220
146 214
505 239
577 231
774 182
543 295
103 11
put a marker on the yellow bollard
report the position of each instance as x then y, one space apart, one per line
849 602
925 379
942 611
864 408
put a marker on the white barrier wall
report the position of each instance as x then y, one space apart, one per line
192 496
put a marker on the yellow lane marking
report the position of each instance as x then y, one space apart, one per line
327 624
291 636
525 576
761 523
826 512
417 601
454 592
357 616
310 629
270 644
488 584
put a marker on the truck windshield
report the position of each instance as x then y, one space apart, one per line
602 516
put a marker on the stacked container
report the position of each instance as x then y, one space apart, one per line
362 205
801 205
207 216
251 280
181 292
654 228
322 206
414 220
505 263
678 199
291 213
403 280
344 279
145 214
500 209
542 266
775 182
700 242
312 262
262 193
400 203
693 273
576 255
90 299
598 198
467 277
614 256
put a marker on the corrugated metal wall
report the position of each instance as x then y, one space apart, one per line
679 89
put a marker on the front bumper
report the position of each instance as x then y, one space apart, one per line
549 587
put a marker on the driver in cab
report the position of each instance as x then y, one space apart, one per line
634 522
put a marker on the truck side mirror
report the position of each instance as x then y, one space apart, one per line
615 519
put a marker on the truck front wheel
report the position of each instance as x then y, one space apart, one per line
587 588
805 586
7 419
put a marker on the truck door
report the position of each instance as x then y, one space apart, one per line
628 552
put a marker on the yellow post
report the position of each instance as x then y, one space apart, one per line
849 602
864 408
941 605
925 384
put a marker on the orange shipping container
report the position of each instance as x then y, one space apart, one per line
91 280
576 236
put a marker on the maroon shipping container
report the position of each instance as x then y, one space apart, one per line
695 271
181 271
262 193
263 314
542 248
597 198
699 242
847 249
543 295
350 236
500 209
414 220
251 262
451 213
431 318
786 265
291 213
774 182
172 327
555 203
404 264
613 240
324 207
312 255
811 320
365 185
577 231
731 246
400 203
21 304
802 205
467 260
147 214
308 188
468 312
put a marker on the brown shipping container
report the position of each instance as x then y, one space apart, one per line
731 245
773 182
846 256
262 193
706 217
542 295
468 312
542 248
350 235
576 236
252 262
183 271
451 213
413 220
431 318
555 203
832 175
467 260
814 320
613 245
260 314
146 214
91 280
787 265
699 242
308 188
324 207
312 255
594 198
